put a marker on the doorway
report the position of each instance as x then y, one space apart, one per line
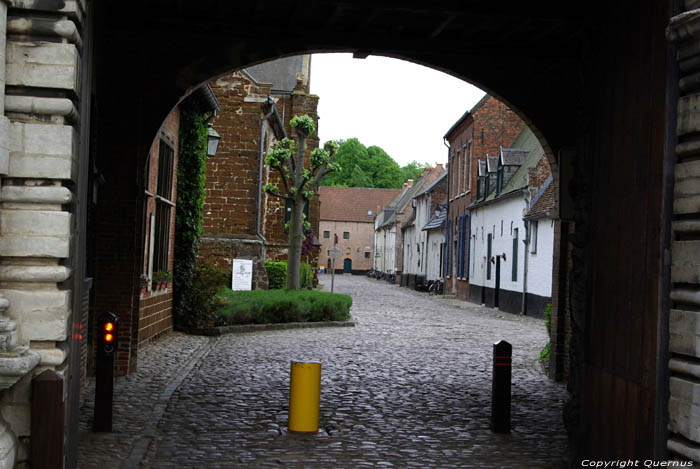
347 266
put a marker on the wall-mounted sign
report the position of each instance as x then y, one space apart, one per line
242 278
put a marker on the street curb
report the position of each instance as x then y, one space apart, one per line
221 330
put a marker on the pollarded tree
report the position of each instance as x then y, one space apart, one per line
299 184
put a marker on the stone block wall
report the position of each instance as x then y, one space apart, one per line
684 316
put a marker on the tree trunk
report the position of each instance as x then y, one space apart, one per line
296 237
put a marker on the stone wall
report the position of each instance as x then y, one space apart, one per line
40 54
684 317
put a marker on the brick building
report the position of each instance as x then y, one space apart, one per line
241 220
349 212
481 131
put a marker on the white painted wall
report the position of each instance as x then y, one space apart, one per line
539 274
508 213
434 239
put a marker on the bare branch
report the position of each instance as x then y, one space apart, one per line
281 196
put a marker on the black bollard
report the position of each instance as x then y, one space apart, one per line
107 327
500 388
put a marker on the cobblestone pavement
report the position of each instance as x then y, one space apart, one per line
409 386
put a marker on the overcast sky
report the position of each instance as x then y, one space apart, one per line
400 106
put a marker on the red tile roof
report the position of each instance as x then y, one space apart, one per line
353 203
544 205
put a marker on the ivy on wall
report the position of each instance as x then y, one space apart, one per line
191 176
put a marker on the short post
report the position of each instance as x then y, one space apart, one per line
107 341
304 396
500 387
48 420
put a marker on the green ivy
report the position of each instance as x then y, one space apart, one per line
191 177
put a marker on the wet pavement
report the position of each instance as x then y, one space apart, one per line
409 386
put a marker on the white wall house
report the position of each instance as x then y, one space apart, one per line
512 234
421 248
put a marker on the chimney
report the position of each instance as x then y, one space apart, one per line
439 166
409 183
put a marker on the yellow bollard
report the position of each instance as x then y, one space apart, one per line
304 396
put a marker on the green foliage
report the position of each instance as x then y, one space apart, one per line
545 352
280 306
412 170
191 176
277 275
304 125
359 178
208 280
379 169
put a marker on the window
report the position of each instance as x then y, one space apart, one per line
326 234
514 275
164 206
346 235
366 254
499 180
369 213
533 236
459 172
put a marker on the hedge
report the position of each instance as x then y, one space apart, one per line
277 275
280 306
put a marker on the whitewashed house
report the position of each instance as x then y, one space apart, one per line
421 253
512 230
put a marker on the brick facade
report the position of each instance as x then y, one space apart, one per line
482 131
233 186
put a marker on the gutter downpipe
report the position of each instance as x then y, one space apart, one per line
526 241
273 111
447 220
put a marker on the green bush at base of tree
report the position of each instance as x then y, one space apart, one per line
279 306
277 275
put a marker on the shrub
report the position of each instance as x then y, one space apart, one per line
277 275
280 306
203 302
545 352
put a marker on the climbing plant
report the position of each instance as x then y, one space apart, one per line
191 176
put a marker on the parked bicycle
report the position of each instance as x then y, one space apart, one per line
436 287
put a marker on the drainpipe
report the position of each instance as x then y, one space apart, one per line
273 111
526 242
447 216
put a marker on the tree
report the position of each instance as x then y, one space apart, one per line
299 185
350 154
359 178
381 168
412 170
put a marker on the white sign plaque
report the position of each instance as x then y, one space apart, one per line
242 278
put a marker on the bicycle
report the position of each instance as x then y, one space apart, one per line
436 287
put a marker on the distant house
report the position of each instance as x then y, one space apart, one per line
512 229
348 213
421 247
388 237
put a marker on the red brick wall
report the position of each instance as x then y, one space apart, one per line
232 186
155 315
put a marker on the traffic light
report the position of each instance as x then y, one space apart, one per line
107 335
107 339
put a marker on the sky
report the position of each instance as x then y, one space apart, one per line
397 105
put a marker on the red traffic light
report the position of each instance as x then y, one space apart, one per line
109 326
109 337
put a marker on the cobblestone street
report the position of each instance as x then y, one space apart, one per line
409 386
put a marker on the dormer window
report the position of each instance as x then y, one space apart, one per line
499 180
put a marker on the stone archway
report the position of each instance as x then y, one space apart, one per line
592 80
